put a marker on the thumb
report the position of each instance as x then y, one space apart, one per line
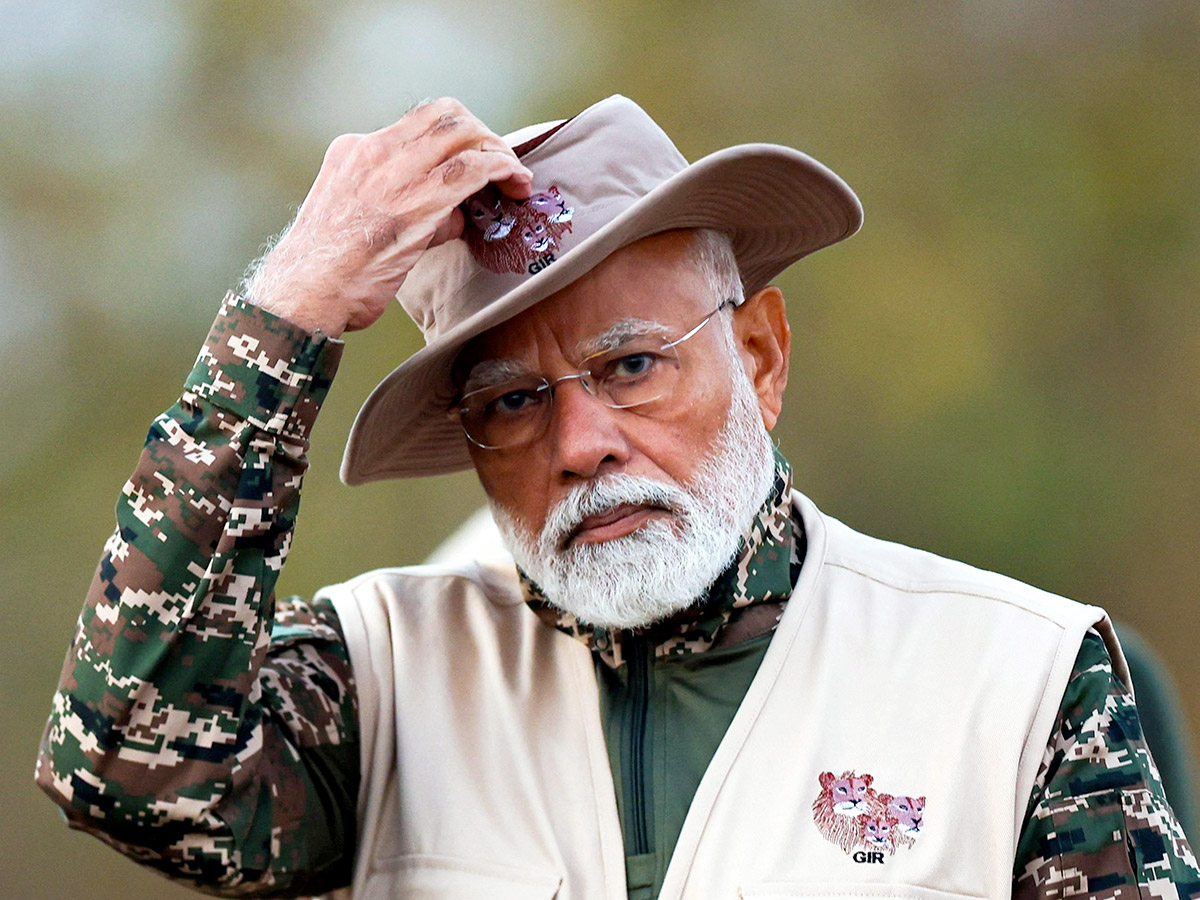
449 228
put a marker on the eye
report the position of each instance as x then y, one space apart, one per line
841 790
632 366
513 402
904 806
510 401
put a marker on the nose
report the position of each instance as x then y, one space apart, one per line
585 433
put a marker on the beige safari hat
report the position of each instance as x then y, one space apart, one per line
601 180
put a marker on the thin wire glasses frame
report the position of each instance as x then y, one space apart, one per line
518 412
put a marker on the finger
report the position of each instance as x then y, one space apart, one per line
431 136
472 170
420 117
443 123
518 186
449 228
443 129
468 135
497 148
427 110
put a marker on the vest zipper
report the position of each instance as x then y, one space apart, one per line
639 693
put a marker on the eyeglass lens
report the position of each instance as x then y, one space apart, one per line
641 374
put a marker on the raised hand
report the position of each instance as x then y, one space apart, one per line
379 201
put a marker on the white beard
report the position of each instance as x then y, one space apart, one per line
670 562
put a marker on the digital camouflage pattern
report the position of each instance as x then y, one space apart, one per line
206 730
189 731
1099 824
746 600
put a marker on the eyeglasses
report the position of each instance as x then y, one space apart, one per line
643 373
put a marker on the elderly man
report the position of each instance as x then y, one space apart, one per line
694 684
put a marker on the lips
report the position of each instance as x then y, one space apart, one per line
616 522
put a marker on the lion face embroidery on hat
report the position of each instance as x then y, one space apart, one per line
852 814
506 235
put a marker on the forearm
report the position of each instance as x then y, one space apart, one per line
158 720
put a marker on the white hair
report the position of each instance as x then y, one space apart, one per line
251 284
712 252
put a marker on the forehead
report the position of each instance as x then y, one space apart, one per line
652 280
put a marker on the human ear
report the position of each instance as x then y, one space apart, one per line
764 341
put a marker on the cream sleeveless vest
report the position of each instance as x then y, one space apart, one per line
485 773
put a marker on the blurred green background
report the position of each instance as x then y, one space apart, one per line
1002 367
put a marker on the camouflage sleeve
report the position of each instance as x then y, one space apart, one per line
1098 823
197 728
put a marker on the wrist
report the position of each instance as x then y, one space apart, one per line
312 317
281 292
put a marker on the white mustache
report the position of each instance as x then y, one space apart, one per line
603 496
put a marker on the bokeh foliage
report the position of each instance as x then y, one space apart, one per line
1001 367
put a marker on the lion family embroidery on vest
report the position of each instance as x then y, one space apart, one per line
507 235
850 813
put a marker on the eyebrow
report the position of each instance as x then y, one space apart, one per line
620 332
491 372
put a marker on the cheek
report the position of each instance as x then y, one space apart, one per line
515 481
694 423
710 392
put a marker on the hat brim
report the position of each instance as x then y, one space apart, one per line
776 204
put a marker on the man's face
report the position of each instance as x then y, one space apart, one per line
650 281
626 516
